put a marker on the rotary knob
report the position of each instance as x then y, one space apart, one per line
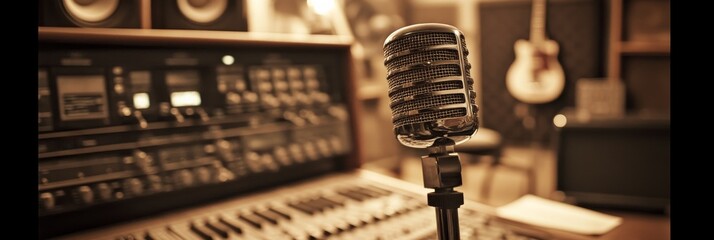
143 160
310 151
48 200
253 161
105 191
155 183
202 174
86 194
184 178
133 186
281 154
296 152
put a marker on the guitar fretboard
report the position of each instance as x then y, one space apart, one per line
538 21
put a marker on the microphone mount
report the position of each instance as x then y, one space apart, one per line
442 172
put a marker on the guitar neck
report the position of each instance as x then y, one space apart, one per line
538 21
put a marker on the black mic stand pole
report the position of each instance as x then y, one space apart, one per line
442 172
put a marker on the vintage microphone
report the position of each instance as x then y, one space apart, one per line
434 107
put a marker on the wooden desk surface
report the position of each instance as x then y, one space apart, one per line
635 226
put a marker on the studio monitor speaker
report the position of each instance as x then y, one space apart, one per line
228 15
90 13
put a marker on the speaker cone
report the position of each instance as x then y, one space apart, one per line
202 11
90 11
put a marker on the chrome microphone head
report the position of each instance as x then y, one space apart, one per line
430 85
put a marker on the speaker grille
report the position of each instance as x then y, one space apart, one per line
430 116
419 40
422 74
426 103
419 67
422 57
426 88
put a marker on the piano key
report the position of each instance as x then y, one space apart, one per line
285 213
252 219
201 231
271 216
230 224
218 228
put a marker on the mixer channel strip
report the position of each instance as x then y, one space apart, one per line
361 211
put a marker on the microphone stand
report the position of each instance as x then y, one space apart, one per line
442 172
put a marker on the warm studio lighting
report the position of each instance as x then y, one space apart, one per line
228 60
560 120
321 7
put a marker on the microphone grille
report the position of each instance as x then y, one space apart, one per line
430 84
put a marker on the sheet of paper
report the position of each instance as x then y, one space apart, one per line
542 212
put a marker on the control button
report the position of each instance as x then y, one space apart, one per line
270 100
117 70
223 174
86 194
177 114
310 151
320 97
302 98
203 114
281 154
133 186
313 84
184 178
202 174
48 200
250 97
125 111
240 84
296 152
140 119
286 99
281 86
269 161
105 192
155 183
233 98
265 86
254 162
143 161
119 88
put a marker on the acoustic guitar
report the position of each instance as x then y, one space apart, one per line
536 76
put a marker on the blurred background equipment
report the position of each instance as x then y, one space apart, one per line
91 13
228 15
615 162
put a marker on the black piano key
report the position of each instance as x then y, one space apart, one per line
302 207
202 232
352 195
367 192
332 202
253 219
232 225
379 189
217 228
271 216
181 232
315 204
281 211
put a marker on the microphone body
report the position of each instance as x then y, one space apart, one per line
433 106
430 85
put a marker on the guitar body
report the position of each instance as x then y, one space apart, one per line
536 75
